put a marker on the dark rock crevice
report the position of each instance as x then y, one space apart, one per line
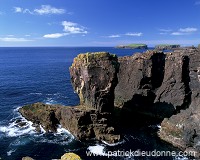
186 81
158 70
141 84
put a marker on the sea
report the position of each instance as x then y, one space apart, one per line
41 74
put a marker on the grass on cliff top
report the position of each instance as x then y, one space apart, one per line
92 55
166 45
136 45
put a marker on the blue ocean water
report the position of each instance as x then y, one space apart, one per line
29 75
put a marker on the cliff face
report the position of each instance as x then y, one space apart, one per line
153 87
153 84
94 77
183 128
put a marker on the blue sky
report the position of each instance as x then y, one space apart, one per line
99 22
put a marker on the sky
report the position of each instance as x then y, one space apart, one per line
99 22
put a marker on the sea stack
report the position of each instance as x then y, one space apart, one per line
93 77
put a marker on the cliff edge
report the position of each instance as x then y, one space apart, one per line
142 89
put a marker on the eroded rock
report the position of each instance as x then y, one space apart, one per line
183 129
146 88
94 77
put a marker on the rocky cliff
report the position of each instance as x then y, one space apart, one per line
94 77
167 46
152 87
183 128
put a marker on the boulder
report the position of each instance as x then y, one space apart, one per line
27 158
70 156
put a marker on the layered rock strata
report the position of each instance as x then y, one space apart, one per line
183 128
94 77
153 87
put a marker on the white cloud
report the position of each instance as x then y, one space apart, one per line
69 28
13 39
55 35
18 9
177 33
184 31
73 28
27 11
114 36
188 30
47 9
43 10
134 34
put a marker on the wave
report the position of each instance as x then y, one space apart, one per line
50 101
18 126
97 150
61 137
10 152
37 93
114 144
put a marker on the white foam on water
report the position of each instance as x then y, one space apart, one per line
61 130
97 150
14 130
50 101
113 144
159 126
16 109
35 93
61 137
10 152
181 158
42 130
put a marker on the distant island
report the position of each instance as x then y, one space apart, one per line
133 46
144 46
167 46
